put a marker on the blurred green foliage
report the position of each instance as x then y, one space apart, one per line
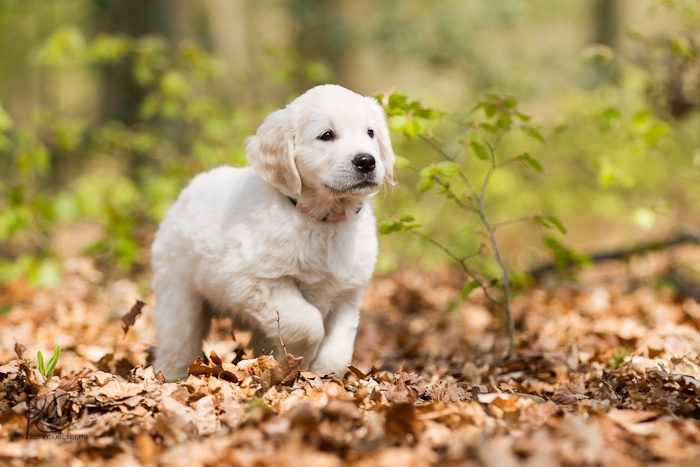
622 152
119 176
619 156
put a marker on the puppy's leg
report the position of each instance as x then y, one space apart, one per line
181 322
338 344
300 324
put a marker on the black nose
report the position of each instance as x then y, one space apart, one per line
364 163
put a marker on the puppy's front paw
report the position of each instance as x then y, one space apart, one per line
321 367
171 372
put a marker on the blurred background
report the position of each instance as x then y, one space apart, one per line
109 107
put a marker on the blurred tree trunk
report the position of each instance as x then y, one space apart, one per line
229 22
607 25
122 96
323 37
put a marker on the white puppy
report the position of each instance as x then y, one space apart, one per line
293 233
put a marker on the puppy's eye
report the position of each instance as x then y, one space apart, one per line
327 136
370 132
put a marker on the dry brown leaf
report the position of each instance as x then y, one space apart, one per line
214 358
538 409
19 349
199 368
129 319
400 421
117 391
364 376
284 373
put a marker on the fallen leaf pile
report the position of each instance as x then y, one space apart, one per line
607 374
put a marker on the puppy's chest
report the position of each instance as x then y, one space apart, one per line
328 256
332 264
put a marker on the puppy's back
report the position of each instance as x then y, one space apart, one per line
212 200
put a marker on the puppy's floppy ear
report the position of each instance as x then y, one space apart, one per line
271 153
386 152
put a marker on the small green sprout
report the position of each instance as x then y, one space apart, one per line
51 366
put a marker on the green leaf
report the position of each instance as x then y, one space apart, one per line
426 178
530 161
523 117
510 102
656 131
644 218
46 274
109 49
52 363
427 113
681 45
401 161
564 256
641 117
543 222
416 126
533 133
479 151
488 127
407 218
388 226
397 100
610 117
425 184
490 109
503 121
397 123
551 222
174 84
596 54
469 287
40 362
448 168
556 223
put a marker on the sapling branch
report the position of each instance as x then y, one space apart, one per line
512 221
463 264
504 278
501 117
508 161
279 333
480 210
451 195
437 148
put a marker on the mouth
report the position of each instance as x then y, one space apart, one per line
357 188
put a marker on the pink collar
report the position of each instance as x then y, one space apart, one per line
330 217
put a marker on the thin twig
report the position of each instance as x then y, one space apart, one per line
504 278
447 251
462 263
508 161
451 195
441 151
512 221
492 169
279 333
473 255
444 154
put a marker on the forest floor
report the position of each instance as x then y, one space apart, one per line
607 374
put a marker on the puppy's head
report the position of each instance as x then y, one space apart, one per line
330 146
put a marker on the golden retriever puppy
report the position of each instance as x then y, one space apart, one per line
295 232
